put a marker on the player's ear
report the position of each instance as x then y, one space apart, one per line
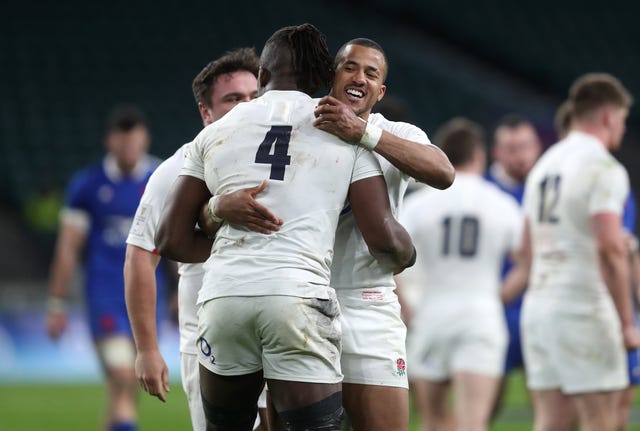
607 116
204 113
264 76
383 89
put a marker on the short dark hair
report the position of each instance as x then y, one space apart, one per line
459 138
596 90
124 118
367 43
311 62
242 59
512 120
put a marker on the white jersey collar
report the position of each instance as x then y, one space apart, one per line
115 174
286 94
576 135
498 172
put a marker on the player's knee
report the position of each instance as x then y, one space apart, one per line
122 379
325 415
221 418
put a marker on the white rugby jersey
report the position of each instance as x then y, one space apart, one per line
353 266
309 173
462 235
574 180
142 234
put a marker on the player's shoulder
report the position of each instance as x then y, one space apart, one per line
502 199
166 172
414 201
88 175
399 128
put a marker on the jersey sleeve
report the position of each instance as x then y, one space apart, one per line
409 208
400 129
513 217
77 206
193 164
147 217
410 133
610 188
366 165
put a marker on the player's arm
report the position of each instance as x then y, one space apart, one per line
177 237
140 295
634 259
387 240
614 266
240 208
71 240
426 163
515 282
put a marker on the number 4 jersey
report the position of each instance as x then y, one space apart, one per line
309 173
574 180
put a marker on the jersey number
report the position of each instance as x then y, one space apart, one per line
277 137
549 194
469 229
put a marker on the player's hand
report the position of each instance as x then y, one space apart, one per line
631 337
242 208
56 324
338 118
152 374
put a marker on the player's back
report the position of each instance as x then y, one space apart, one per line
461 236
573 180
309 174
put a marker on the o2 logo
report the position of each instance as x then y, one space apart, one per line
205 348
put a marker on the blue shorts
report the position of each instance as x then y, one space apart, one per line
108 319
633 360
515 358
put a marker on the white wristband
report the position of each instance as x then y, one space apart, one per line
371 136
212 210
56 305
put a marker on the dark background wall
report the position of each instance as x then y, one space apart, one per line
64 65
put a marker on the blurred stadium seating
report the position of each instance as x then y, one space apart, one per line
64 65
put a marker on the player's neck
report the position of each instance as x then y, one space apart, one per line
600 133
282 84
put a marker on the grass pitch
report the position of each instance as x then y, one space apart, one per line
82 407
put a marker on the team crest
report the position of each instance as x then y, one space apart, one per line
401 367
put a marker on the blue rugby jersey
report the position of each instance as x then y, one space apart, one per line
109 199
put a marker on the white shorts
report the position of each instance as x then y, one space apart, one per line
190 373
289 338
443 345
373 338
572 352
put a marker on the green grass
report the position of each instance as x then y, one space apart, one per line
82 407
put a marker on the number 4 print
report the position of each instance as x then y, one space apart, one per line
278 138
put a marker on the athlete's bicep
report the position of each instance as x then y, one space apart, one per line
180 215
607 230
